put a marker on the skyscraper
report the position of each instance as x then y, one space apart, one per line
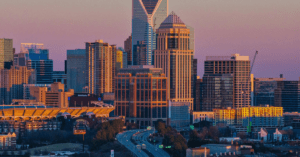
128 49
100 67
119 60
35 46
146 15
44 70
6 53
12 81
76 67
239 66
175 57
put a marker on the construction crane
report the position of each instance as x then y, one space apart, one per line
245 90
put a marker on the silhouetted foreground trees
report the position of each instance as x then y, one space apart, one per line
107 133
172 138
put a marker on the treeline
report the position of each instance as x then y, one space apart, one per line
172 138
107 133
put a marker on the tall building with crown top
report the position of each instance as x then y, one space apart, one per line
146 16
175 57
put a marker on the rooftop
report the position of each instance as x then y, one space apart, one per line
172 21
233 57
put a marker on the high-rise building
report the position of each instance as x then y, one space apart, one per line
175 57
44 70
194 82
125 62
141 95
76 70
12 81
140 57
6 53
198 93
100 67
192 37
35 46
239 67
60 76
146 15
217 91
287 95
35 56
277 92
128 49
264 90
119 60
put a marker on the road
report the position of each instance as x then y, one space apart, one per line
140 137
124 139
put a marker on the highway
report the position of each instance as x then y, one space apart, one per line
124 139
140 137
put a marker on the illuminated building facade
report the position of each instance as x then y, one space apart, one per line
141 95
56 97
239 67
225 116
175 57
100 67
12 81
146 15
8 141
6 53
253 116
119 60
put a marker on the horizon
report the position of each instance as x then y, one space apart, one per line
271 27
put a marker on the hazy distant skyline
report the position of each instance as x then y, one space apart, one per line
221 28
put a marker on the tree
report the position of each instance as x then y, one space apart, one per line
193 140
203 133
214 133
161 128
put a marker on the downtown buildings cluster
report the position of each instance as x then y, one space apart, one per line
153 78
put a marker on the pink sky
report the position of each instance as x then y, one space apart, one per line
222 27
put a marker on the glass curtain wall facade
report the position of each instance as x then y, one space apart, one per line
76 69
237 65
217 91
287 95
44 70
146 15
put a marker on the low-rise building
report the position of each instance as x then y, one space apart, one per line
179 114
197 152
56 97
202 116
8 141
250 117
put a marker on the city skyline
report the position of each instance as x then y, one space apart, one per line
221 29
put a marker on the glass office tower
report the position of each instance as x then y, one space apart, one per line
147 15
